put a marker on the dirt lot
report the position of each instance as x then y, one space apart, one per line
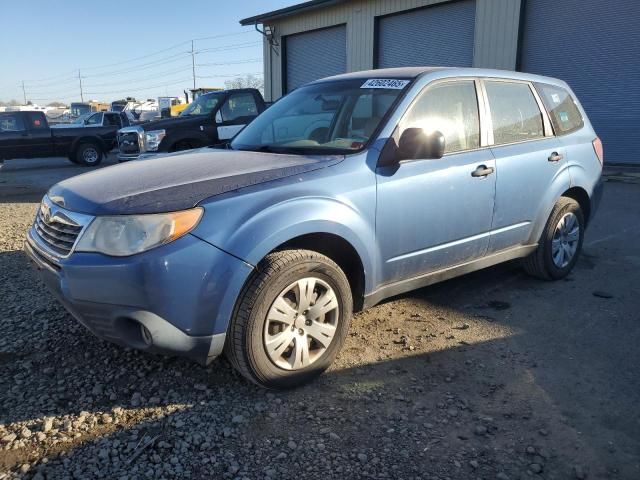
490 376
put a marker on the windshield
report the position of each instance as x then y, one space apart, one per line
332 116
203 105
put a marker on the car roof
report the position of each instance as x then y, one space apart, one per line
442 72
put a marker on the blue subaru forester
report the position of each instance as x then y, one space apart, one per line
348 190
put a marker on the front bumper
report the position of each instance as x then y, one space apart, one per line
127 157
176 299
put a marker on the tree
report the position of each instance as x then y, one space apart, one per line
248 81
56 105
10 103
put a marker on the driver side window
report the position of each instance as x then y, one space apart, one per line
95 119
452 109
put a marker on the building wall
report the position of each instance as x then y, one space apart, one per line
495 46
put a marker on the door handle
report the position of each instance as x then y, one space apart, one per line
555 157
482 171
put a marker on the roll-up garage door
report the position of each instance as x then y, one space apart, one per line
595 47
436 35
316 54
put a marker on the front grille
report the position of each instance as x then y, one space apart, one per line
128 143
58 236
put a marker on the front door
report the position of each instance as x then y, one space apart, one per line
433 214
237 111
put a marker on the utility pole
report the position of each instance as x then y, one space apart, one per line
24 93
193 64
80 80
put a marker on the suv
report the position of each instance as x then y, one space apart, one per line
347 191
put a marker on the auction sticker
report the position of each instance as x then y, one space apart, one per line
385 83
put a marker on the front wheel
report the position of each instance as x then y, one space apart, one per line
560 243
291 319
89 155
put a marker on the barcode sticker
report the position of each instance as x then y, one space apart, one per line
391 83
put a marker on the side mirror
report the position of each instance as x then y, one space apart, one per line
415 144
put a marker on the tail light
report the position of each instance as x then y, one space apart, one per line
597 147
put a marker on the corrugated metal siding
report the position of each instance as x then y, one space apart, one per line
496 35
360 15
315 54
595 48
436 35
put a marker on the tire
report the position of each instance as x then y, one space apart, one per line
251 329
89 154
542 263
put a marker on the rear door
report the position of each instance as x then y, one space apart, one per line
529 159
235 113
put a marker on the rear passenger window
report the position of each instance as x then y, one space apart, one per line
514 112
565 116
451 108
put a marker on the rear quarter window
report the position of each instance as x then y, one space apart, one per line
564 114
36 121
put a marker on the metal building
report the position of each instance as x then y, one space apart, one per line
593 45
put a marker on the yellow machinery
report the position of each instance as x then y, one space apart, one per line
195 93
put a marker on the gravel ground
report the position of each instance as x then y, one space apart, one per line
491 376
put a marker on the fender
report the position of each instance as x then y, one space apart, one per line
561 183
287 220
251 236
179 137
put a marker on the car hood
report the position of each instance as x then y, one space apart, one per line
177 181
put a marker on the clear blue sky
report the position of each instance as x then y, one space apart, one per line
114 43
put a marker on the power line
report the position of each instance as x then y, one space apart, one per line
141 57
140 89
230 75
138 80
65 79
230 47
237 62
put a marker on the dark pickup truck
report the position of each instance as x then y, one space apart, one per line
211 119
28 135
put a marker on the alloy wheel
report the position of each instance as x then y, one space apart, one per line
565 240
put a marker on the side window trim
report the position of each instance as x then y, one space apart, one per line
481 104
546 123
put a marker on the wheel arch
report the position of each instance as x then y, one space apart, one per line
581 196
88 139
340 251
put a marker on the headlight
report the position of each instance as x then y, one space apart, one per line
153 139
124 235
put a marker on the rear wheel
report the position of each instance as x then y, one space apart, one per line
560 243
291 319
88 154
